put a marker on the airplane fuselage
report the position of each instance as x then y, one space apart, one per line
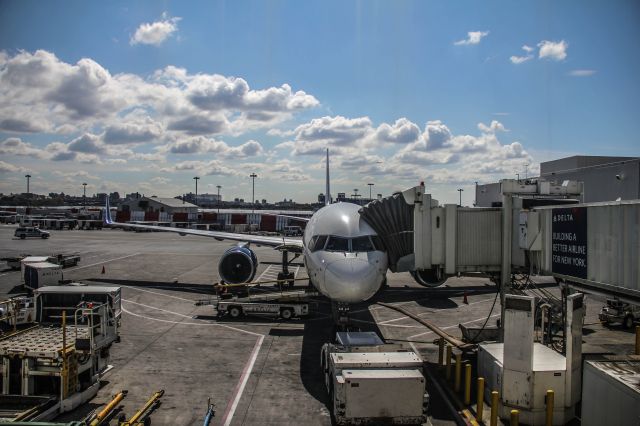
343 255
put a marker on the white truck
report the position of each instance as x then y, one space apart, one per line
370 382
40 274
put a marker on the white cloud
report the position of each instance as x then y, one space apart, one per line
556 51
436 135
133 132
9 168
473 37
155 33
521 59
402 131
15 146
201 144
495 126
205 168
39 93
581 73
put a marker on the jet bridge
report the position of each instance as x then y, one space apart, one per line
540 229
434 242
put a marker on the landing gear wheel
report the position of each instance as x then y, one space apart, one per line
286 313
22 237
628 322
235 311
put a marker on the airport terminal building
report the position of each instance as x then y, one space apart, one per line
603 178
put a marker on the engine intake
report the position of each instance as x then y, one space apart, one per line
429 277
238 265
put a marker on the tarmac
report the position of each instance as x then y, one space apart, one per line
255 370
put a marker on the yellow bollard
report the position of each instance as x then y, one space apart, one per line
441 344
456 382
494 408
514 418
467 384
637 340
480 406
448 363
549 402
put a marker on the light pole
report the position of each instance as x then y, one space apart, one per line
218 186
28 177
84 195
475 203
355 195
460 191
370 186
253 177
196 179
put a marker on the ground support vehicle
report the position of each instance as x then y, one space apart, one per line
370 382
617 311
65 260
292 231
287 311
15 261
54 364
279 304
31 232
42 274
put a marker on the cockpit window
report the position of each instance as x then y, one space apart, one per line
377 243
317 243
360 244
337 244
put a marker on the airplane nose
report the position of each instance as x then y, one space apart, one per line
352 280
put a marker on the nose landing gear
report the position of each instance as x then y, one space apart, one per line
340 314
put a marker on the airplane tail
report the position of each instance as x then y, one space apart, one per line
327 197
107 212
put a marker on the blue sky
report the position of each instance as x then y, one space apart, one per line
143 96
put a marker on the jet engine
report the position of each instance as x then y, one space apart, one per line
238 265
429 277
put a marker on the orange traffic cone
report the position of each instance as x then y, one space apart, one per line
464 299
103 271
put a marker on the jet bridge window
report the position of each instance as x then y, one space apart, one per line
361 244
337 244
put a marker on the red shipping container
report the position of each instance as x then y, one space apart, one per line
151 216
209 217
122 216
268 223
180 217
238 219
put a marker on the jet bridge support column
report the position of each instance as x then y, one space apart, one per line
505 270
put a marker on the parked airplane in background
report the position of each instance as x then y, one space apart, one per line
343 255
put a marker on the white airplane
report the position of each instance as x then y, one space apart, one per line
343 255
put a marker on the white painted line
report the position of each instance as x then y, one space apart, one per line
100 263
228 415
436 310
159 294
86 266
452 326
190 317
237 394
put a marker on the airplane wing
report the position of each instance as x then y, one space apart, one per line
301 219
291 244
